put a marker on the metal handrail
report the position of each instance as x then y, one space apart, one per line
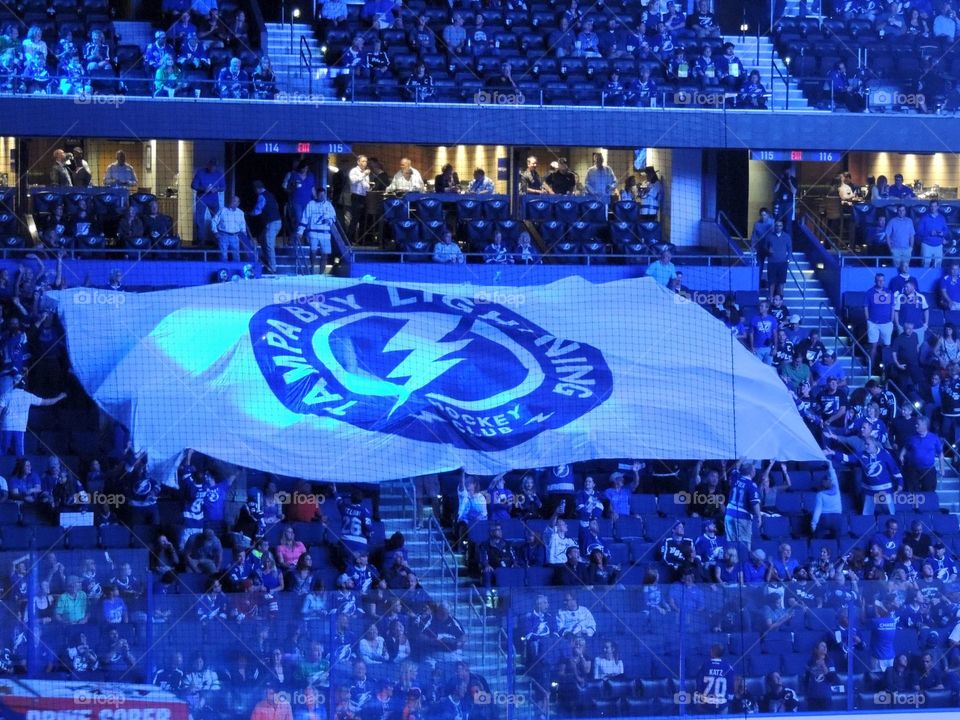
306 59
784 80
436 540
742 246
801 282
837 324
587 259
821 232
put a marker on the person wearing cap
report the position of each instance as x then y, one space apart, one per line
193 55
755 570
618 494
785 350
154 53
494 553
828 367
945 568
562 181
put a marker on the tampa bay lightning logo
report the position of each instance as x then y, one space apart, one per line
432 367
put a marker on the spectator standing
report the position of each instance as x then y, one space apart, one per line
743 507
16 413
208 184
59 174
878 307
229 224
600 180
932 229
763 334
267 210
781 252
911 307
120 174
759 239
922 459
316 223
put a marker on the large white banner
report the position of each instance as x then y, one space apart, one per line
356 380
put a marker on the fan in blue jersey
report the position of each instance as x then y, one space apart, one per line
355 521
215 496
883 625
743 506
193 492
880 477
714 682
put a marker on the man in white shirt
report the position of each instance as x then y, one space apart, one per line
945 23
15 407
359 179
447 251
120 174
229 224
556 541
316 223
481 184
406 181
574 619
414 174
663 270
601 180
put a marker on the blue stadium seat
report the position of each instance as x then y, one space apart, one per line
9 513
114 536
641 552
776 528
496 209
567 211
510 231
641 504
789 503
47 538
551 232
626 211
945 524
395 209
538 210
83 538
509 577
539 576
428 209
431 231
406 232
479 234
469 209
17 538
650 233
593 211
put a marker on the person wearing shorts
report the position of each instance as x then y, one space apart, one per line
316 223
878 307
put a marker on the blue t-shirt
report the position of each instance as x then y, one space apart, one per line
952 286
932 229
884 631
764 328
215 501
879 304
922 452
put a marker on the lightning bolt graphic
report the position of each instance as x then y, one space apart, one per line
424 339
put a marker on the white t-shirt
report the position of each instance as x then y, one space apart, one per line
18 404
